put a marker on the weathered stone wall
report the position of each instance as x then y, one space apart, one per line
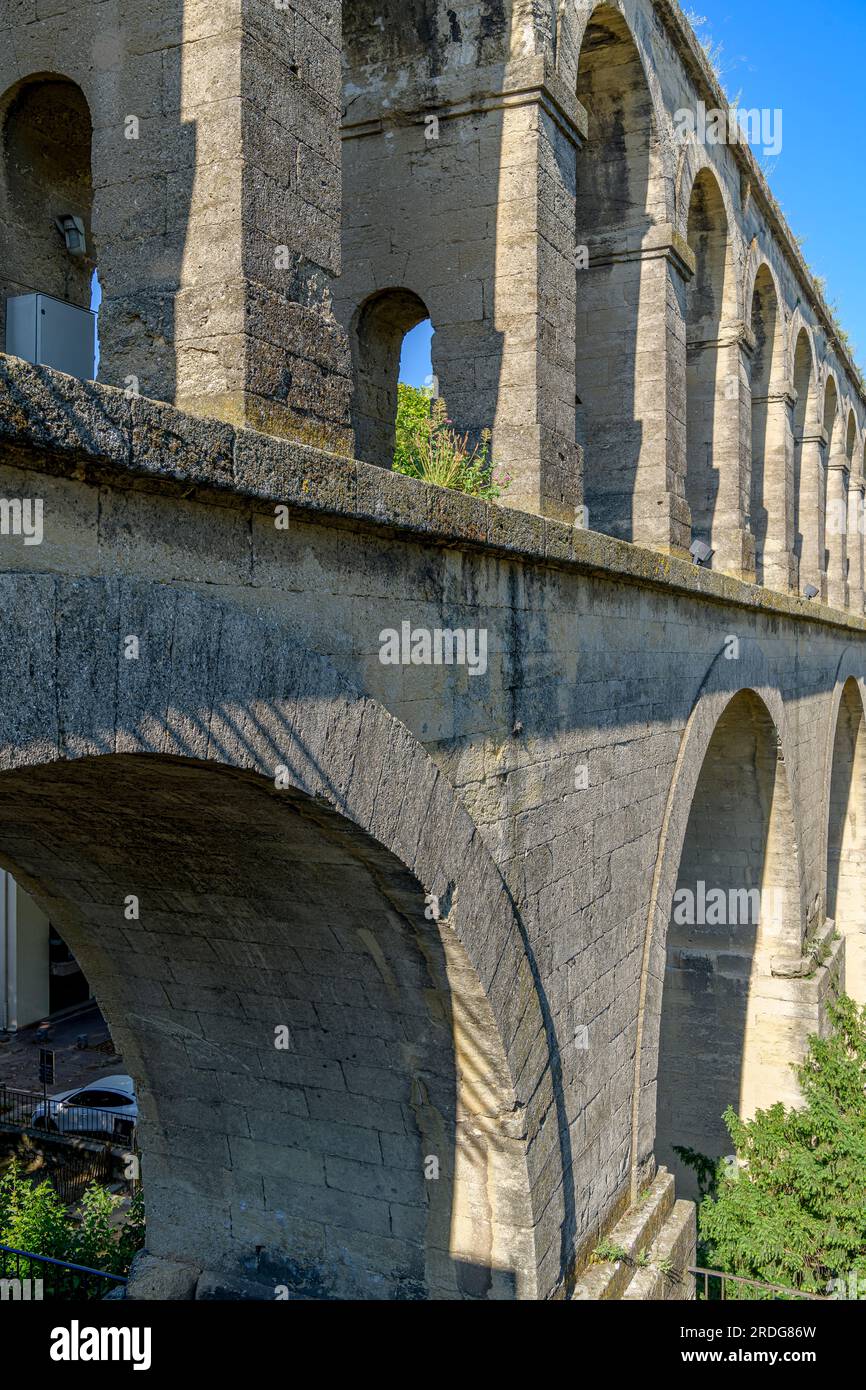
215 218
602 656
482 162
685 382
459 188
688 381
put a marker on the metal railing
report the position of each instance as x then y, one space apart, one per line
17 1108
717 1291
29 1277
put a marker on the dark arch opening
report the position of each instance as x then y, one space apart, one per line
830 517
372 1156
807 481
620 304
712 388
378 331
46 142
846 838
770 500
736 906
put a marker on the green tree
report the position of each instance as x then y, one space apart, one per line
792 1210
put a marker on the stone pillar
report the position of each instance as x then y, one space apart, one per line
217 212
837 532
531 294
632 393
813 448
856 576
776 565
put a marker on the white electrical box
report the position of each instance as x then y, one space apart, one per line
51 333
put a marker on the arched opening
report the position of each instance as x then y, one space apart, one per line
378 332
724 1038
808 480
416 357
620 294
835 514
324 1095
771 493
47 197
846 838
713 380
853 567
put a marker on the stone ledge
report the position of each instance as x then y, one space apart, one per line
56 424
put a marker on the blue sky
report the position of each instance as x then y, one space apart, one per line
806 58
415 359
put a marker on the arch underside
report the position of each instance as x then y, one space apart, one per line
325 1100
846 839
728 1032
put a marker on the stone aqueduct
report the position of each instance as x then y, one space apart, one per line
281 803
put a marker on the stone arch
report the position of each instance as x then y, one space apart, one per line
695 167
736 907
713 376
836 496
846 832
46 175
854 572
772 500
717 692
378 328
808 468
621 291
236 701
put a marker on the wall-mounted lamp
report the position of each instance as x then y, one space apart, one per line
701 552
810 591
71 228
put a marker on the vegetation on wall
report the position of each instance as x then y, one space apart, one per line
792 1209
429 448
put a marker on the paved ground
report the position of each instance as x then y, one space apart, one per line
19 1058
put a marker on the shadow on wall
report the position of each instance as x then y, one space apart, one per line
713 379
772 523
620 195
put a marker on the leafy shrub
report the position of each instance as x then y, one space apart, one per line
428 448
32 1217
793 1211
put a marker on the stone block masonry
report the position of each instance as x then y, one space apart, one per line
517 1038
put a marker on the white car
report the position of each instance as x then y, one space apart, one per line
106 1106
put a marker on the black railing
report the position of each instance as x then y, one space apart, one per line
18 1107
28 1277
715 1282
